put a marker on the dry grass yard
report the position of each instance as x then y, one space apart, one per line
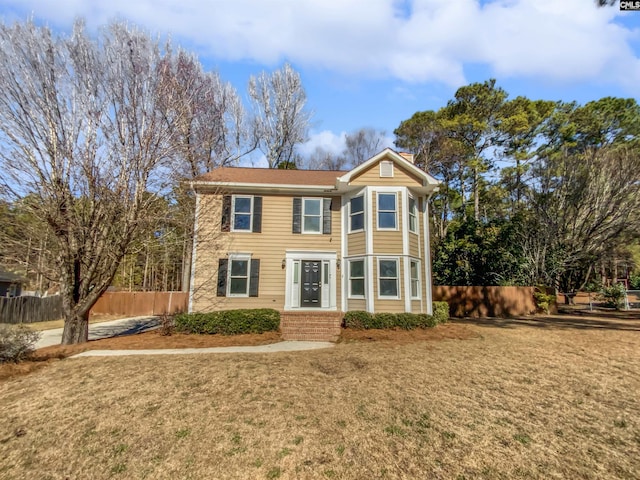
524 399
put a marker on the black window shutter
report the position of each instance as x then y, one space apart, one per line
297 215
226 213
254 278
222 277
326 215
257 215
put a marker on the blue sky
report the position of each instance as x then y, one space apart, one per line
373 63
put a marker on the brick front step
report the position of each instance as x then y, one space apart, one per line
311 326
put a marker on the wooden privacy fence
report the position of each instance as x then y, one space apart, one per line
141 303
36 309
486 301
30 309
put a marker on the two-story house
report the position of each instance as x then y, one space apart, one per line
314 241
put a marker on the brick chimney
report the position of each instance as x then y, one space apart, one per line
409 157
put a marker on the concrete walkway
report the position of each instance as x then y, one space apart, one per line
124 326
288 346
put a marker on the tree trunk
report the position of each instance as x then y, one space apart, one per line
476 194
76 329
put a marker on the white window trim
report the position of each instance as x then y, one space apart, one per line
413 215
364 273
302 230
417 262
239 257
378 211
389 297
233 214
358 213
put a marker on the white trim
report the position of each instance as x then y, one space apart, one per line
369 301
239 257
321 256
427 258
406 282
343 251
379 277
269 186
397 226
194 252
233 214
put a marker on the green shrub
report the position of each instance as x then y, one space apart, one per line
229 322
16 342
357 320
613 296
440 312
360 320
383 320
543 300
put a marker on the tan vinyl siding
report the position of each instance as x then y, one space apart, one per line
269 247
356 304
416 308
387 241
414 241
355 244
401 177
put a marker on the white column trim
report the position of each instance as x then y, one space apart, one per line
427 257
369 278
343 251
404 195
194 252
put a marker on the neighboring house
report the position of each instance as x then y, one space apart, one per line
10 284
313 241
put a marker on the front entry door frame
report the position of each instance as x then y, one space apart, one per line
294 280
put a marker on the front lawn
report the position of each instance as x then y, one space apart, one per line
515 401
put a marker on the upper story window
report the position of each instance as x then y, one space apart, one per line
356 214
311 215
241 213
413 215
387 211
242 210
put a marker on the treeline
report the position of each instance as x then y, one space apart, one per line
533 191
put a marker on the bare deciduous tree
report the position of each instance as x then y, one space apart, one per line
281 120
85 139
363 144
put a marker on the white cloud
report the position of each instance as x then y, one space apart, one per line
326 139
413 40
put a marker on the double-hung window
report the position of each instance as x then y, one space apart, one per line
356 214
387 211
415 279
238 277
242 212
311 215
356 278
413 215
388 278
